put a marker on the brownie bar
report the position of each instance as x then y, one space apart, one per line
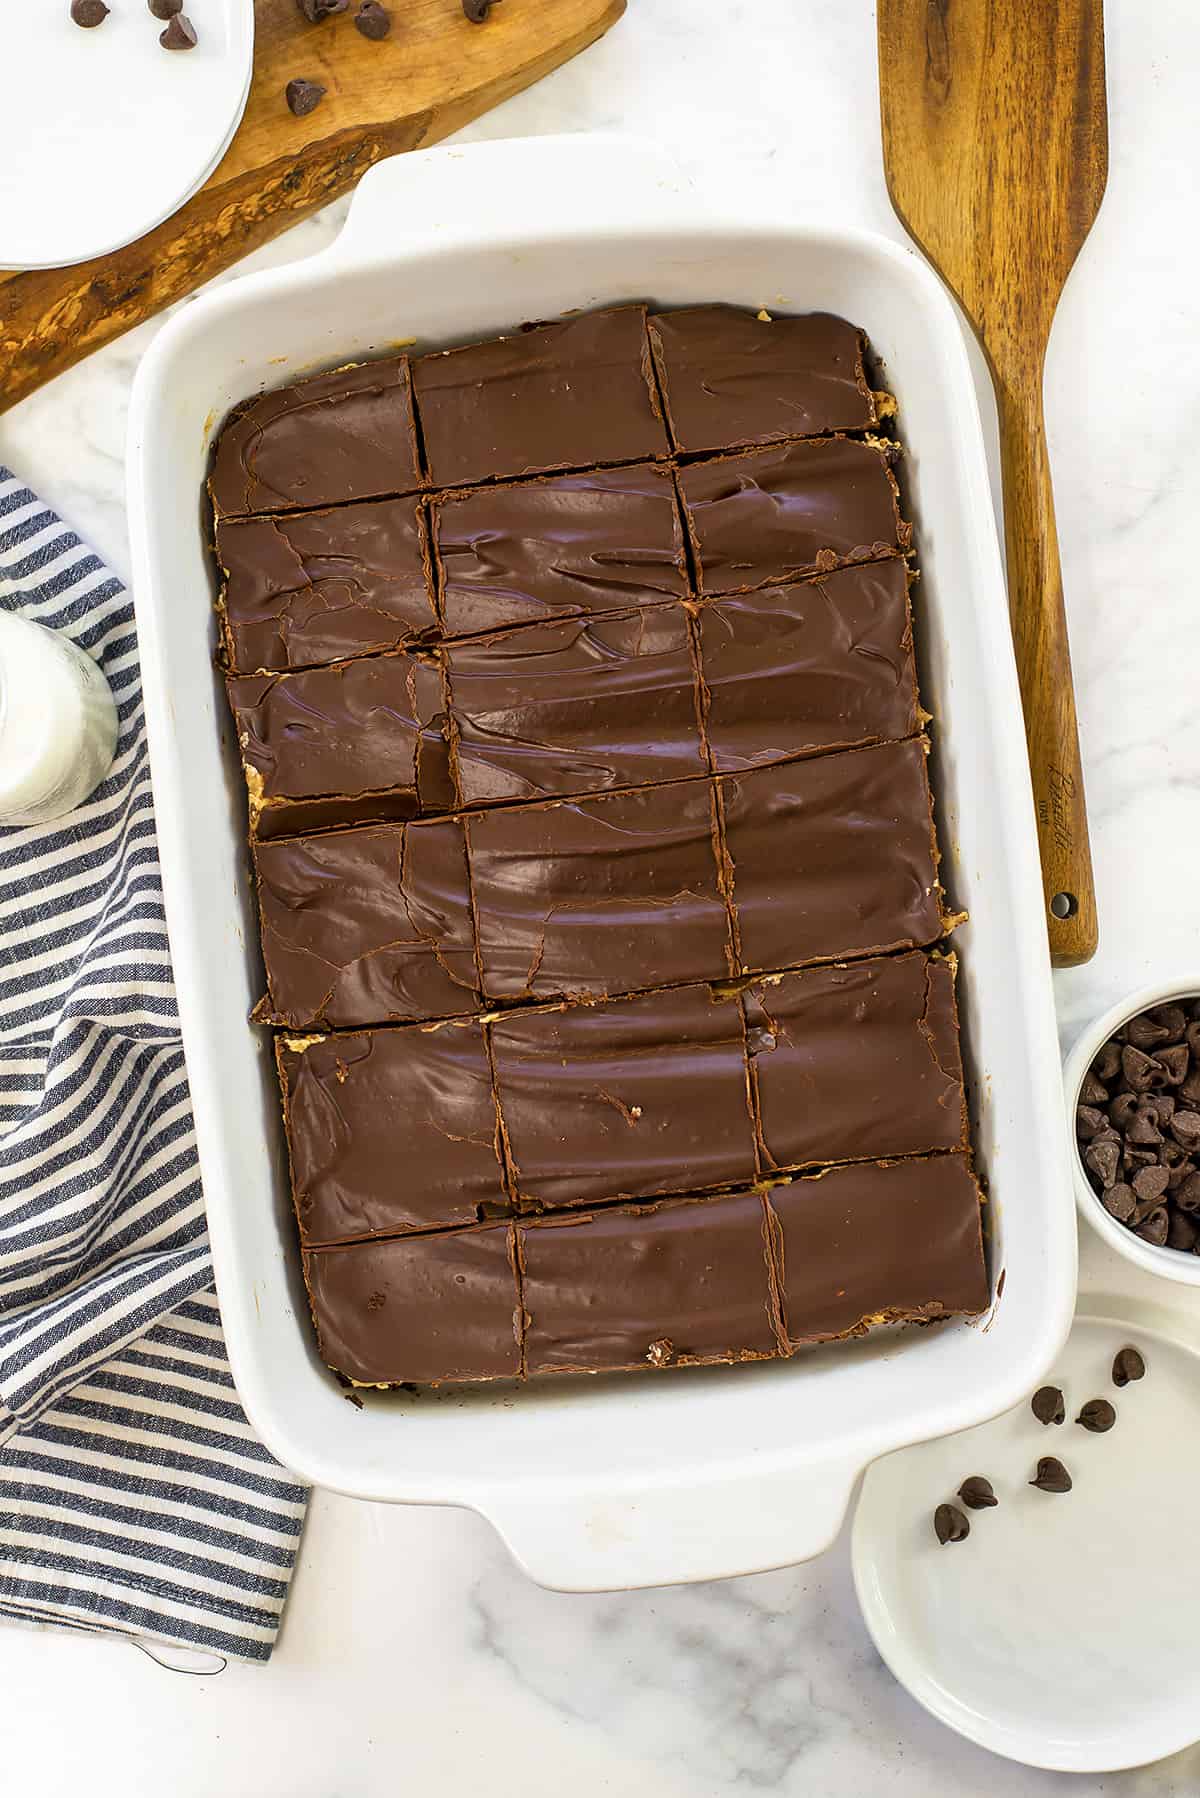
564 545
310 587
625 1100
349 744
729 377
419 1308
341 436
581 705
367 926
832 857
878 1243
390 1131
776 514
792 670
593 897
858 1062
688 1281
563 395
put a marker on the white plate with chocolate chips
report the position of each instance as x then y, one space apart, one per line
115 112
1032 1582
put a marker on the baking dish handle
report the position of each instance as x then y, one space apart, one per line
676 1533
511 187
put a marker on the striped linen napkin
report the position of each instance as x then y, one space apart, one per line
134 1496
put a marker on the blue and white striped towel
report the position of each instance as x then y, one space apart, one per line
134 1496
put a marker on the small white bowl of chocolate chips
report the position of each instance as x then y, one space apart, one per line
1132 1085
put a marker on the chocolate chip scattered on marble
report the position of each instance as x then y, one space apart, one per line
302 96
1048 1406
1127 1365
88 13
374 21
165 9
1098 1416
1051 1476
977 1494
950 1524
180 33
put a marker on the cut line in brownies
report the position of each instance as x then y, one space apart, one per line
576 699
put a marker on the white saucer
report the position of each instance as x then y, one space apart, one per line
1062 1632
103 134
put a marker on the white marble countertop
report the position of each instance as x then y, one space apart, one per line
415 1658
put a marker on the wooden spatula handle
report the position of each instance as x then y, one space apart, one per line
1039 628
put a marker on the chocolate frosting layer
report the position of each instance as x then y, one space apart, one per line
352 742
857 1062
826 664
569 544
649 1286
876 1243
774 514
582 705
367 926
563 395
345 435
419 1308
833 856
390 1130
311 587
730 377
598 896
627 1099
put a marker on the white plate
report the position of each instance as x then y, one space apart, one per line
103 133
1062 1632
636 1481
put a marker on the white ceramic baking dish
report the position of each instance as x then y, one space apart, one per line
636 1481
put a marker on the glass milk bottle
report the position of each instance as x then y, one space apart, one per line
58 724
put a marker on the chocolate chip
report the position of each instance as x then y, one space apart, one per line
1144 1033
1092 1092
1154 1227
1187 1193
1178 1177
165 9
1047 1405
1107 1064
1170 1154
179 35
1121 1201
316 10
1143 1126
1189 1090
949 1523
976 1493
302 96
1150 1182
88 13
1142 1073
1163 1106
1051 1476
1122 1109
1103 1159
1132 1157
1175 1062
477 11
1127 1365
1185 1128
1098 1416
1173 1019
1087 1121
1182 1233
1191 1035
373 20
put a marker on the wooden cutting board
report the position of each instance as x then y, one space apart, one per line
435 73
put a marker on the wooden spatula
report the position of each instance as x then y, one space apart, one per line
995 142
